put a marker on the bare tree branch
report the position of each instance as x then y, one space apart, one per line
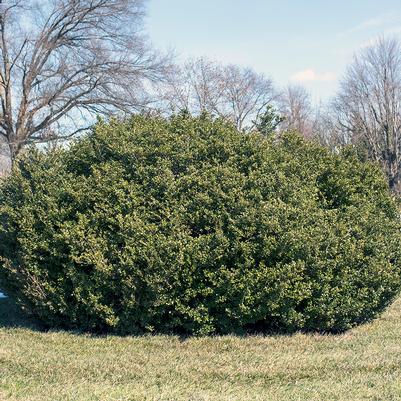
63 58
368 105
296 107
230 92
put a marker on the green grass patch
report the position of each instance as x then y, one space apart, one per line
362 364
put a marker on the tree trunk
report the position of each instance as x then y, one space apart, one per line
5 158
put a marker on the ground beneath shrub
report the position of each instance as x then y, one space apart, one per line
364 363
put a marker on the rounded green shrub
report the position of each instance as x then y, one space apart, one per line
186 225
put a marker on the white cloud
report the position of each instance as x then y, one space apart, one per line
309 75
375 22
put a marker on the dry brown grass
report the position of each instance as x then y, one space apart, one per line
363 364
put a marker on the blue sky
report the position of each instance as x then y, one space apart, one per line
307 41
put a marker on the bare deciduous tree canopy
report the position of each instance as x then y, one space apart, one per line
296 108
368 105
63 60
230 92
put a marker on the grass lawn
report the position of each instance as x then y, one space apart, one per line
363 364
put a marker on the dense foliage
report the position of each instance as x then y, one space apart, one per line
187 225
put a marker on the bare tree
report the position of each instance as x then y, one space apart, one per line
194 86
368 105
324 127
295 107
247 94
61 61
230 92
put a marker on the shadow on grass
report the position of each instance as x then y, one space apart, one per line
12 317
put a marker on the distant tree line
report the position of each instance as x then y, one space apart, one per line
64 62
